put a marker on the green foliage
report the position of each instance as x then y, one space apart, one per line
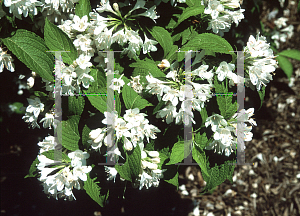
199 155
227 108
76 105
33 169
177 154
261 94
70 133
31 50
93 190
284 62
217 175
83 8
190 11
54 154
57 40
131 168
18 105
85 136
132 99
163 37
192 3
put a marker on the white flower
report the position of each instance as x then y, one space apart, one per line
110 118
119 37
6 59
84 61
67 73
281 22
135 84
134 117
224 69
80 24
47 144
35 106
215 121
149 45
84 77
30 118
19 7
78 158
48 120
80 172
289 30
164 64
231 3
83 42
213 8
117 83
224 135
105 6
138 4
112 173
127 144
151 13
220 24
169 112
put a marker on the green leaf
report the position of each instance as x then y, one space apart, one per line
33 169
224 99
100 82
57 40
131 169
40 94
201 140
217 175
285 65
261 94
200 157
132 99
31 50
172 54
70 133
98 101
85 136
190 11
294 54
163 37
192 3
83 8
204 115
174 181
177 154
76 105
93 190
210 42
51 155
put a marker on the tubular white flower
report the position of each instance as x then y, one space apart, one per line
6 59
117 83
47 144
149 45
80 24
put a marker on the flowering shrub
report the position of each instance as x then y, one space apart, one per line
173 71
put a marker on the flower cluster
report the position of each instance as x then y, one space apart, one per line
133 127
174 90
68 174
33 110
226 132
284 33
222 18
259 61
17 7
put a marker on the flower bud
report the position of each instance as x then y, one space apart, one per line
153 153
164 64
116 6
155 160
127 144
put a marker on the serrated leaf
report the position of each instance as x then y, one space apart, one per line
132 99
172 54
70 134
99 85
210 42
31 50
83 8
131 168
190 11
200 157
285 65
33 169
76 105
57 40
85 136
204 115
201 140
163 37
177 154
51 154
93 190
217 175
224 99
98 101
294 54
